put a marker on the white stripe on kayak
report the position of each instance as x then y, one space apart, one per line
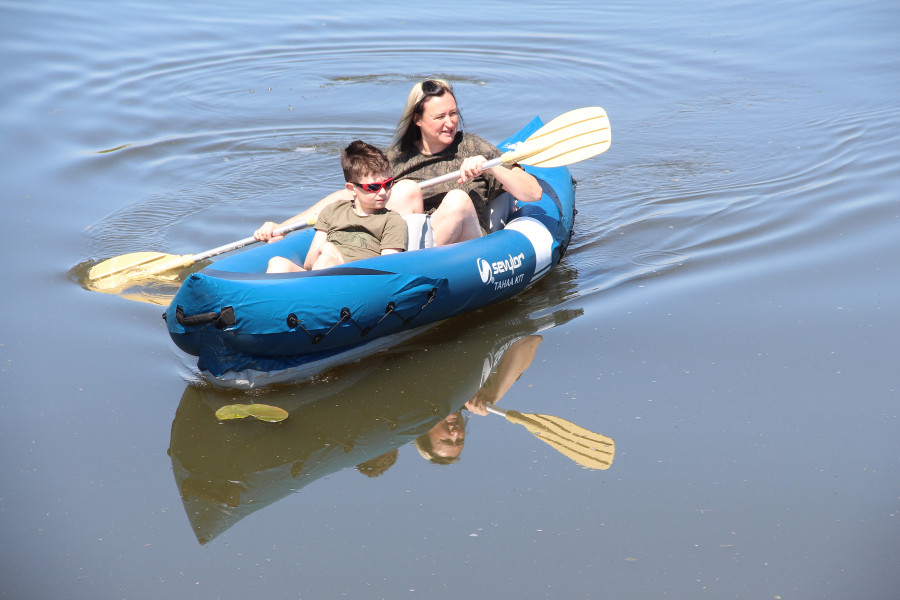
540 239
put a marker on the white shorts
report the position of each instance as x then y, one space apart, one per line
421 232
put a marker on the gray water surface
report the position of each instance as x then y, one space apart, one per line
727 311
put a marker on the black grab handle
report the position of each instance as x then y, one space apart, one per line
222 319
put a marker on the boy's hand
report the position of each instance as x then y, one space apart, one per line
264 233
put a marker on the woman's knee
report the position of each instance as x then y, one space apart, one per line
406 198
455 220
458 203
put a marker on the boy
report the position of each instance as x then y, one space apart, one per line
353 229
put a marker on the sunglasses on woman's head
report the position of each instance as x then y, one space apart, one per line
374 188
430 87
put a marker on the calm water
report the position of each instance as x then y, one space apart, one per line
727 313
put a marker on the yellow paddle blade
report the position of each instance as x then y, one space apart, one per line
263 412
115 271
579 118
569 138
588 449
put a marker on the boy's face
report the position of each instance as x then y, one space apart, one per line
372 201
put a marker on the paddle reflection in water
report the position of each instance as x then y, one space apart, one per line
353 417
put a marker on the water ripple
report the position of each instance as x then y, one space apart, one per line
801 202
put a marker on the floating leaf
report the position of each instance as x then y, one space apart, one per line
232 411
263 412
270 414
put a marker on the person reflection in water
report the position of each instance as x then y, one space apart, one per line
444 442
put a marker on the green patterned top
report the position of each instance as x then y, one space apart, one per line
421 167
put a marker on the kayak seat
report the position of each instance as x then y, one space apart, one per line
500 209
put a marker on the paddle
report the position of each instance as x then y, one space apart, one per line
588 449
149 264
569 138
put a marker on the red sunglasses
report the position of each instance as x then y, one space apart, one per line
374 188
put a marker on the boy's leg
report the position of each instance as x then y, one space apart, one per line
329 257
280 264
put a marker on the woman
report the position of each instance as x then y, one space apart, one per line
428 143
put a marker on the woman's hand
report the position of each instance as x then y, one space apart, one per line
472 167
478 404
265 233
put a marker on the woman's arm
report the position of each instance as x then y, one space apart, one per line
264 233
512 365
523 186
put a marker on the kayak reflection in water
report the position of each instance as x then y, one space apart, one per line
444 442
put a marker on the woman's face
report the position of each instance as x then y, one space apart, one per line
438 122
448 436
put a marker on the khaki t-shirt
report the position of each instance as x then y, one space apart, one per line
420 167
359 237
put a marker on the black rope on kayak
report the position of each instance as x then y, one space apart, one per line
432 294
389 310
345 316
293 322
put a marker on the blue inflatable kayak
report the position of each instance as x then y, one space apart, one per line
252 329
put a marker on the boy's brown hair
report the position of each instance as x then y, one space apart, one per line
360 159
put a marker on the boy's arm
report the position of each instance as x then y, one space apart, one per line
395 235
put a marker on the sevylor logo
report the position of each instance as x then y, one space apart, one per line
484 269
502 273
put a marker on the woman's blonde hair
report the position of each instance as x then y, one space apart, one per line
408 133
